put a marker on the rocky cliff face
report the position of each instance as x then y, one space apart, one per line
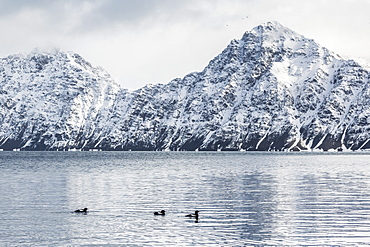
51 100
271 90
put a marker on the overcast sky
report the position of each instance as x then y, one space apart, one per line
148 41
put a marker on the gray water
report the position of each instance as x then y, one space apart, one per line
244 199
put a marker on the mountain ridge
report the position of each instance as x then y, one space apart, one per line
271 90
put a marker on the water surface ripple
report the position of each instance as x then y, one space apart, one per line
244 199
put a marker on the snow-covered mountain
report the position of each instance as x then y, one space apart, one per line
271 90
52 100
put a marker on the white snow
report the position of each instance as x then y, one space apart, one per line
271 83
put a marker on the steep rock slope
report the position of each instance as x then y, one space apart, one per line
51 100
271 90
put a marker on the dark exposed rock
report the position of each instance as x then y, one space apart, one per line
271 90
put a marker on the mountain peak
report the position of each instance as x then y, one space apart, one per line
271 25
273 31
273 89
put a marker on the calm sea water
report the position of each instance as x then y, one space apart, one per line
244 199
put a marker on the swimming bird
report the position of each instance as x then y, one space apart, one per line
162 212
196 214
81 210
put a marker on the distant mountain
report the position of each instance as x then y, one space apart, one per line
273 89
54 100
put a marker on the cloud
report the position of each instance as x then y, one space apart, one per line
148 41
14 6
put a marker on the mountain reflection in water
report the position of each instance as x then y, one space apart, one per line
243 198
